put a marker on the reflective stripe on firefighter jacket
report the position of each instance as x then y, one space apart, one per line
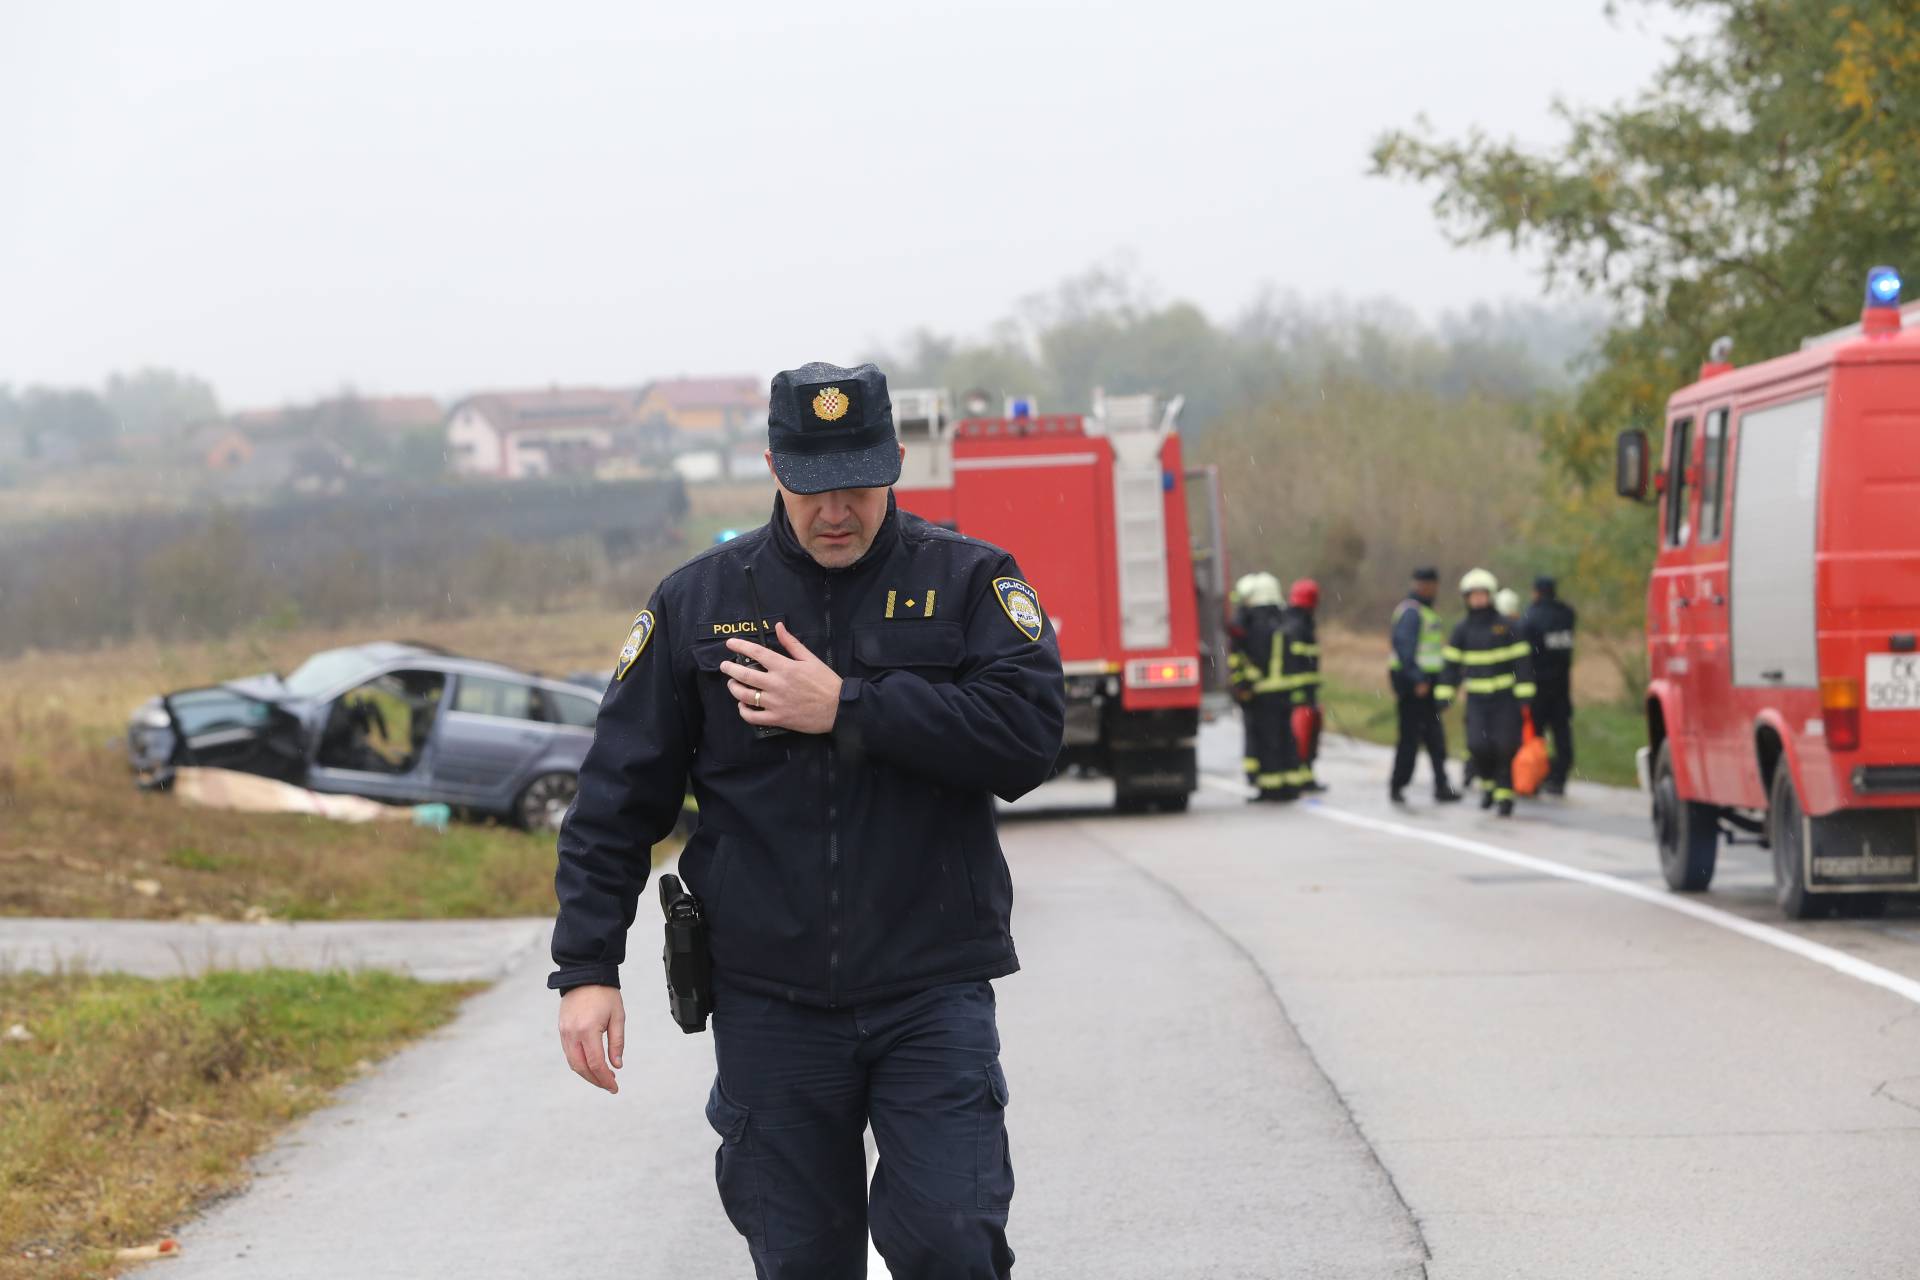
1301 662
1487 658
1264 660
1419 637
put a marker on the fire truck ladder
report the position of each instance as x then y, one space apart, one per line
1140 518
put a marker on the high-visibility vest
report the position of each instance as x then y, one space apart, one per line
1429 651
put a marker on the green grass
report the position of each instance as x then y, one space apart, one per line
134 1101
1605 735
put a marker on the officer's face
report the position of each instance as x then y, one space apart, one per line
1479 600
836 527
1425 590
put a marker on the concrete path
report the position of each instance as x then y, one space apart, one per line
432 950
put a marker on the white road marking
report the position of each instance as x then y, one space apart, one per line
1838 961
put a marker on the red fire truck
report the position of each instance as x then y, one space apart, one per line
1784 613
1095 508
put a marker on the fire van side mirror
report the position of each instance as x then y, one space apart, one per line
1630 465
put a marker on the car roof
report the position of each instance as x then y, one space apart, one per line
398 653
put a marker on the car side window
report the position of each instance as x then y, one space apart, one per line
1713 477
573 709
1681 437
482 696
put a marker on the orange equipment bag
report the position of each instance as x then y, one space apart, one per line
1306 732
1530 762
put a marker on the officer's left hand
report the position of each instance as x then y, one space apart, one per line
797 691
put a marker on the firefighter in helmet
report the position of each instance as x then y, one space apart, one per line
1268 691
1418 638
1303 670
1506 603
1489 661
1239 675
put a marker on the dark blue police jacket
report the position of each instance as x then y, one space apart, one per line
838 868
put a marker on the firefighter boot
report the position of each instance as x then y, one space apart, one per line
1506 808
1486 795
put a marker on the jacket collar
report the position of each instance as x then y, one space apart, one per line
781 531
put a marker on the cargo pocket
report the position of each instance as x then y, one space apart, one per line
734 1169
995 1173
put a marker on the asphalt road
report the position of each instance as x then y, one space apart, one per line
1319 1041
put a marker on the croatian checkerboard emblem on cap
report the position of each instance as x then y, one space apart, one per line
831 405
635 645
1022 605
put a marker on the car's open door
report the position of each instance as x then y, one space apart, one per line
220 727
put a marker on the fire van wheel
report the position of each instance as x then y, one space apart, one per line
544 802
1788 835
1688 832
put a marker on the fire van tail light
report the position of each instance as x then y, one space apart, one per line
1840 709
1163 673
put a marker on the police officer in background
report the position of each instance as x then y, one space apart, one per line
1488 661
1417 637
847 687
1549 630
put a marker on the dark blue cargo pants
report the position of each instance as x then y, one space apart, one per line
796 1089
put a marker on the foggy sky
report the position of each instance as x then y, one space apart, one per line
444 197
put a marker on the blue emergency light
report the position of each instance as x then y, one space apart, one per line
725 535
1022 408
1883 287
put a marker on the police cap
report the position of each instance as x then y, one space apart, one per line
832 428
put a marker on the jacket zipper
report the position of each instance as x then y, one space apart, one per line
833 841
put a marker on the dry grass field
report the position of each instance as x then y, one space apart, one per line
95 1157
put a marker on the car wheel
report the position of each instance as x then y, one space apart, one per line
1788 835
545 801
1688 832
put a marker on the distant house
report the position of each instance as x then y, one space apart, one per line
515 435
705 412
227 450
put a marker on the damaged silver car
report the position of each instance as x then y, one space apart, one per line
401 722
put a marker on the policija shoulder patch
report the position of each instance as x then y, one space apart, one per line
1021 605
636 644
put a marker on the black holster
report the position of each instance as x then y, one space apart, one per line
689 967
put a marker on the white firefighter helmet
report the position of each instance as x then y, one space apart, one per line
1479 580
1240 585
1506 602
1262 589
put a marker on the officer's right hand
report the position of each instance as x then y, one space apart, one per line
587 1014
1420 690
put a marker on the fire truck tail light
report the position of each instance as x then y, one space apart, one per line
1163 673
1840 709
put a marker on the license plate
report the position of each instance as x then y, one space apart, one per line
1893 682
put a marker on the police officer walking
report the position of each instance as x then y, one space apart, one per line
1418 637
1549 630
1267 687
1487 659
847 688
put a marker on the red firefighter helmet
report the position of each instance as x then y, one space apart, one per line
1305 594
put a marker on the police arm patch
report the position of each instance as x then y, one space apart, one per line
636 644
1021 604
